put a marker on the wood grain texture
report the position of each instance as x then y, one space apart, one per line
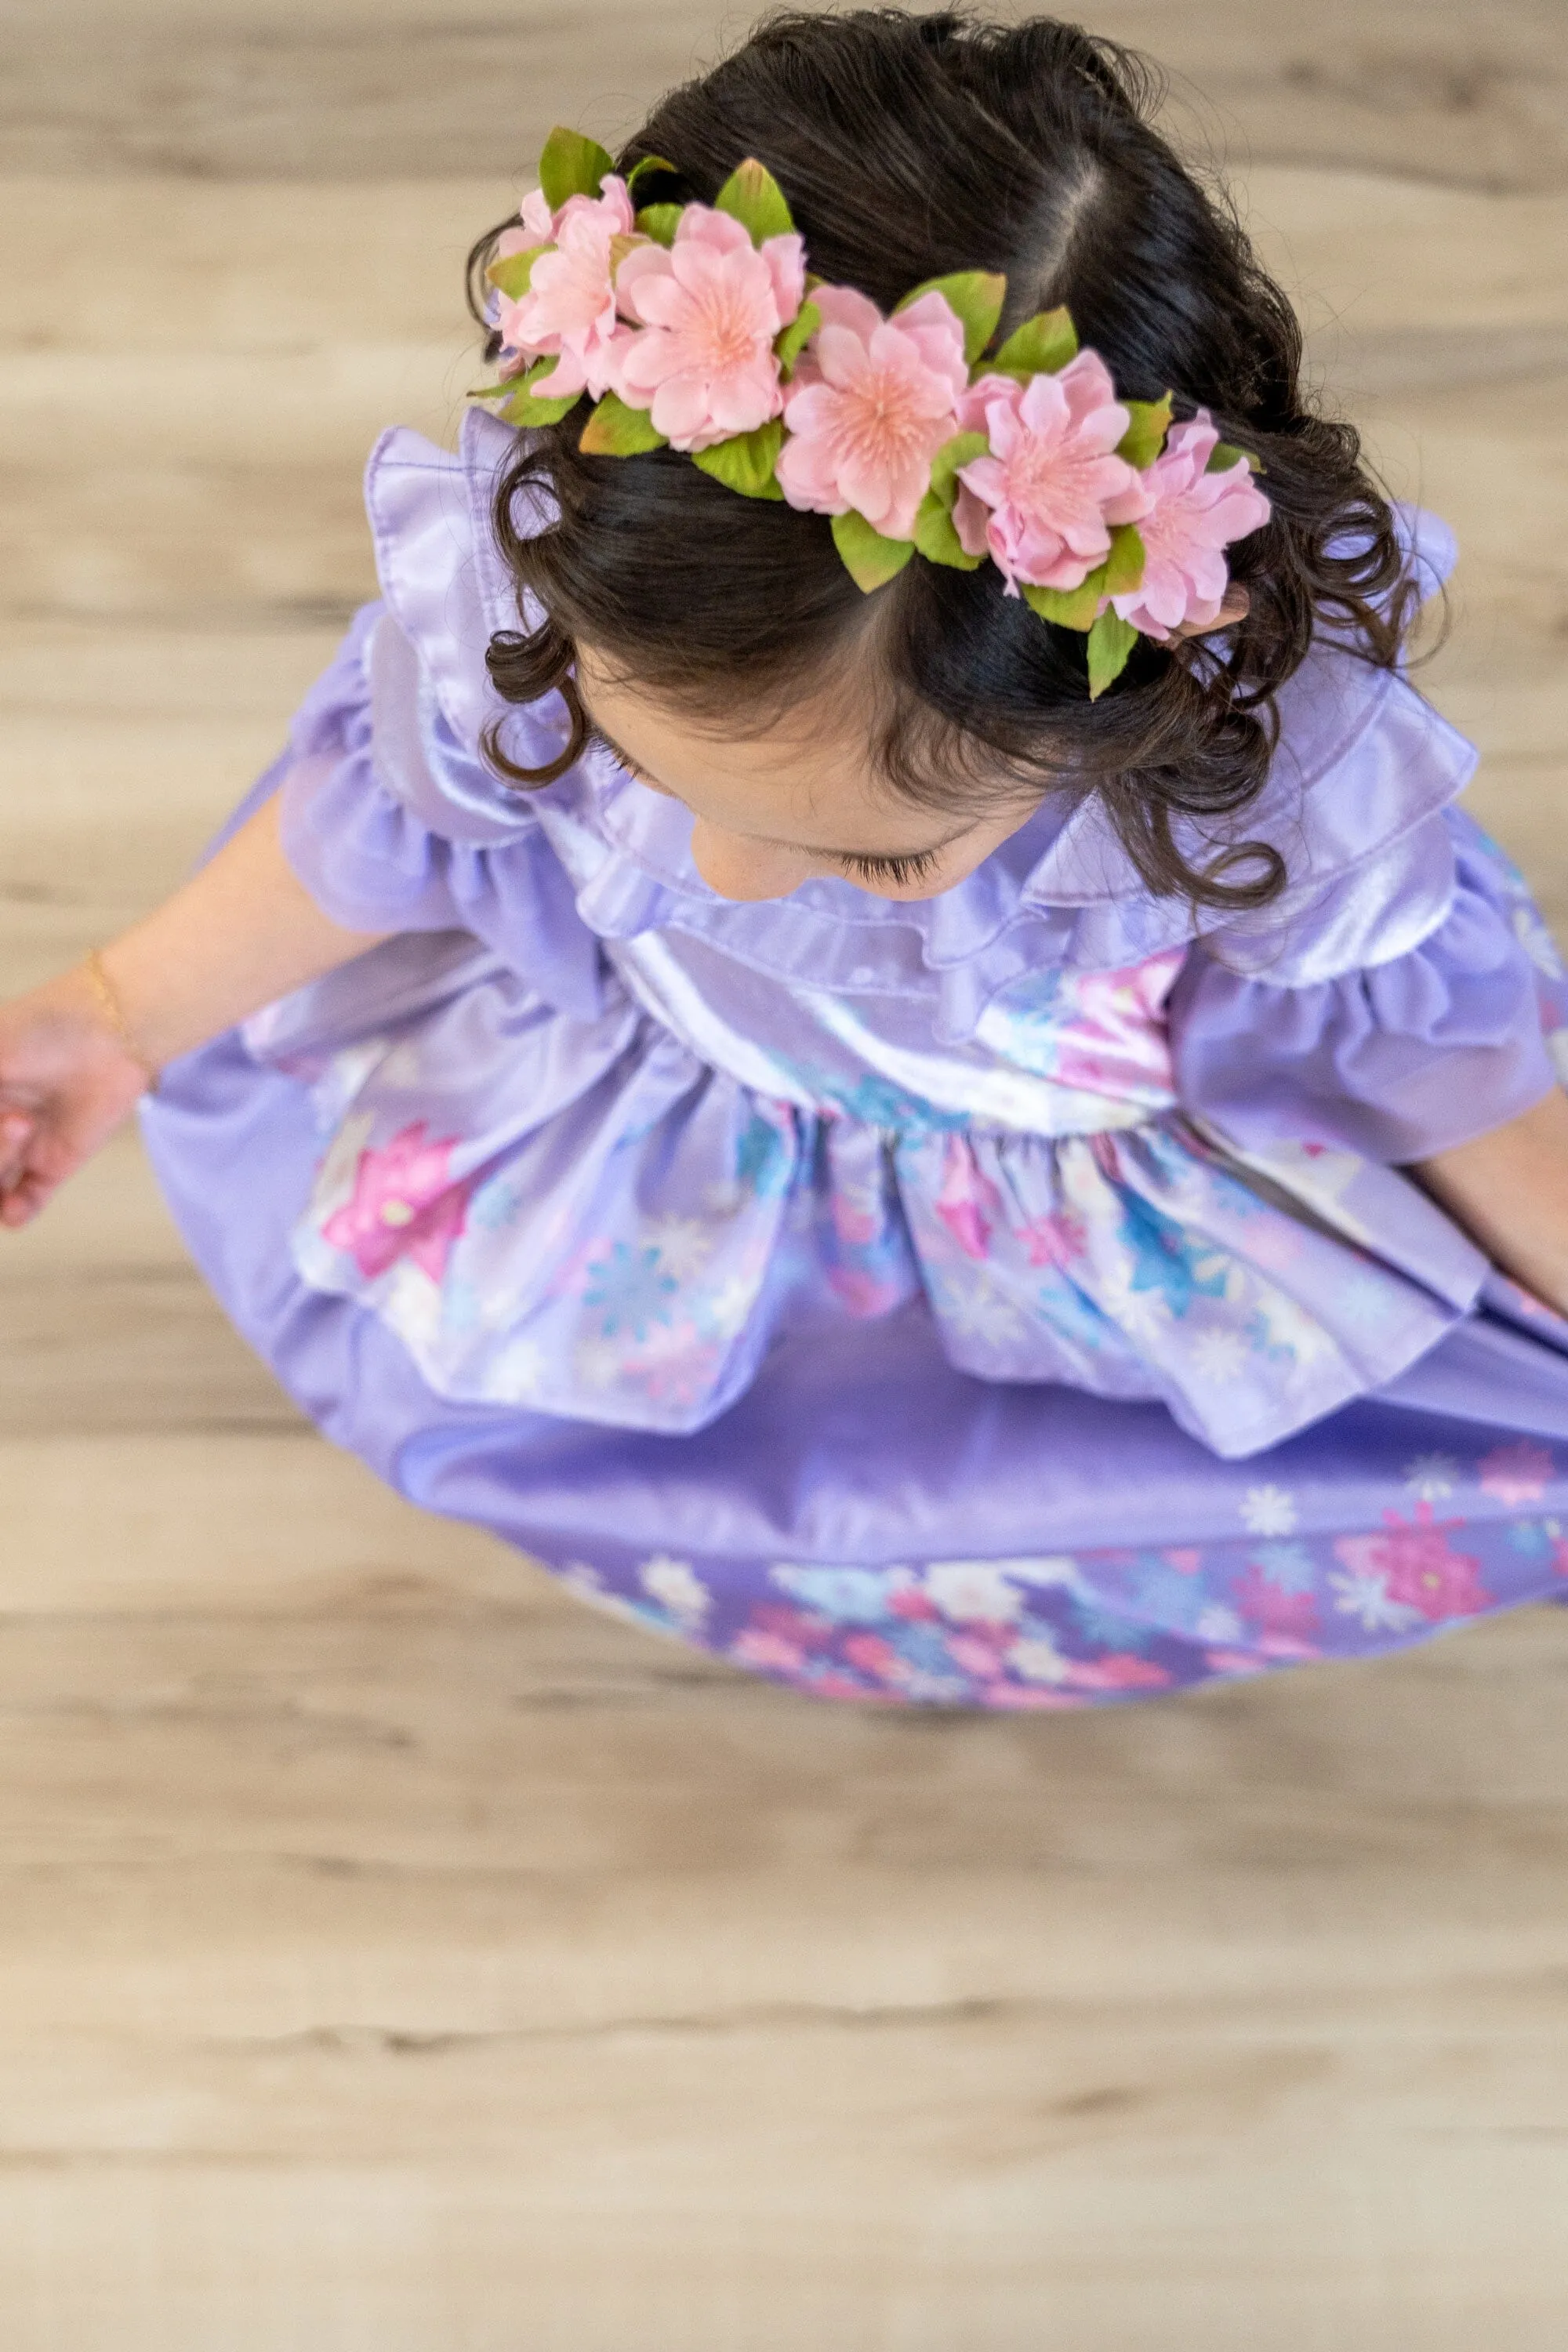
397 1955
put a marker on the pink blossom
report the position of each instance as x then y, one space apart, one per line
701 359
1057 1238
1119 1670
1272 1606
968 1202
767 1654
1018 1700
872 401
404 1205
911 1602
1420 1566
1041 501
1192 516
1517 1473
568 314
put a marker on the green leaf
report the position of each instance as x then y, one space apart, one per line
571 165
752 197
959 451
976 295
1110 641
1225 453
509 277
746 461
870 560
660 221
525 399
1145 436
1041 346
646 164
790 340
937 540
1123 567
613 430
1069 608
935 536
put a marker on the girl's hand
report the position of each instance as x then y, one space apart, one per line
67 1082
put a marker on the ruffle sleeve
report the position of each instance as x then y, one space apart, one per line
1396 1057
390 815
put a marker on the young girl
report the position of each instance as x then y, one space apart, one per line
858 1012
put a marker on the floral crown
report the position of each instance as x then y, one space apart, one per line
698 327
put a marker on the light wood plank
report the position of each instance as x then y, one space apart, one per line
397 1954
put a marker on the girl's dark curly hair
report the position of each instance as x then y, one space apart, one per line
907 147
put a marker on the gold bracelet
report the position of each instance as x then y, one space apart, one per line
108 996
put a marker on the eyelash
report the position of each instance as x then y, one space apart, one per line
866 869
893 869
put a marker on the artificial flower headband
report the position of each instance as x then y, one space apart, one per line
698 327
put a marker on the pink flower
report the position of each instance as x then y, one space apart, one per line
767 1654
404 1205
1272 1606
1057 1238
569 310
1419 1564
1517 1473
1191 517
872 401
1120 1670
1042 500
710 307
968 1200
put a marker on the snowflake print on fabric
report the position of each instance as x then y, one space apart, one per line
676 1586
1288 1565
1220 1356
404 1205
1363 1594
1432 1477
973 1590
1517 1473
1268 1510
857 1596
632 1290
685 1245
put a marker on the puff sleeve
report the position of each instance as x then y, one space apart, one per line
390 815
1394 1058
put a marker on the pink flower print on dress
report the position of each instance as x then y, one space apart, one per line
1190 518
1042 500
569 310
872 401
968 1202
701 358
1419 1566
1274 1608
1517 1473
404 1205
1120 1670
1058 1239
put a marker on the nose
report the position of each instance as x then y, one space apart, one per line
739 868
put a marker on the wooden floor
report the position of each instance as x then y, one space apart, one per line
395 1957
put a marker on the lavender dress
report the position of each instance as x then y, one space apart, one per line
1000 1300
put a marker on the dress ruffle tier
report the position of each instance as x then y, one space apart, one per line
1012 1242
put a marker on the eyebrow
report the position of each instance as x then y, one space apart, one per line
806 848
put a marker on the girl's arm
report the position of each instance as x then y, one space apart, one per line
1510 1189
243 931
